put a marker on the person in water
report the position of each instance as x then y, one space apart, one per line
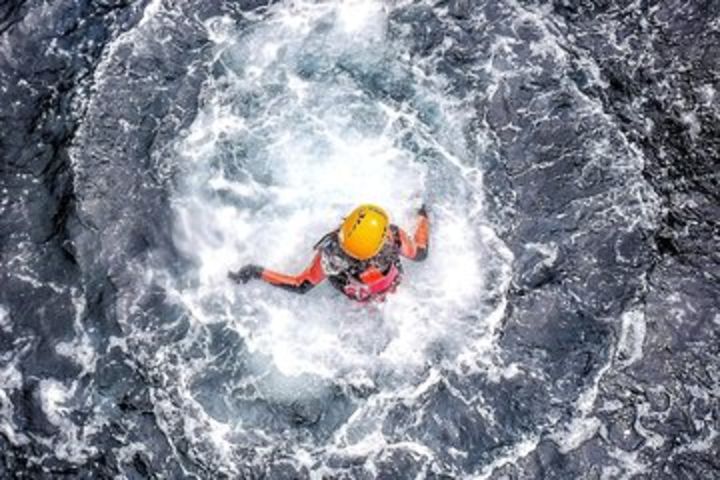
361 258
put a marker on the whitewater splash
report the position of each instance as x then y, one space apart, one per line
151 147
309 113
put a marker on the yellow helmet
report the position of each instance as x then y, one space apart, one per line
362 234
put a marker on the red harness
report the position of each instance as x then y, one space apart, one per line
373 284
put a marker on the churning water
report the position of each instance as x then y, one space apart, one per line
308 113
564 325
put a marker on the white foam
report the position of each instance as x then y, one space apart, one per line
707 94
361 15
691 120
10 379
630 465
583 425
72 442
511 455
548 250
151 9
653 439
632 336
5 320
309 154
53 396
548 45
580 430
286 142
80 348
704 444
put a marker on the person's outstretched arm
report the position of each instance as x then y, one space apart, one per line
302 283
416 248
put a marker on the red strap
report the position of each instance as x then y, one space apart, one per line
363 291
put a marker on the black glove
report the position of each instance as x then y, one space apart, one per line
246 273
423 210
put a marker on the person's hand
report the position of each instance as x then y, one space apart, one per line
423 210
246 273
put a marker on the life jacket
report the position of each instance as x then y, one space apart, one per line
366 289
361 280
